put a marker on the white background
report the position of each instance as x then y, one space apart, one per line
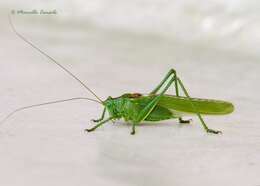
128 46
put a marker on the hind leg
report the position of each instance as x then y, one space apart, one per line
171 73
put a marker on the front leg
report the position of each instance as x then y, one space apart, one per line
101 118
98 125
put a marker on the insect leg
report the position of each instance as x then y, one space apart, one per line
101 118
177 94
98 125
184 121
168 75
196 110
171 72
150 106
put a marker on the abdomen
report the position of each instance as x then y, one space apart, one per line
160 113
203 106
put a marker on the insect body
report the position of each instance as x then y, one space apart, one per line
160 106
155 106
168 107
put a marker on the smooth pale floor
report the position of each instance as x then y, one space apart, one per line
47 145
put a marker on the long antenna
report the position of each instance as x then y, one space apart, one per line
53 60
42 104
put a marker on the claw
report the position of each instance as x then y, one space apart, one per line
185 121
214 131
89 130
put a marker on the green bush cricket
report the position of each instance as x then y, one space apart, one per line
154 106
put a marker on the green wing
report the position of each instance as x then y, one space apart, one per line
180 106
183 105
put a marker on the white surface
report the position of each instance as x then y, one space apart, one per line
47 146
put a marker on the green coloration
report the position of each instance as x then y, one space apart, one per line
204 106
136 108
157 107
